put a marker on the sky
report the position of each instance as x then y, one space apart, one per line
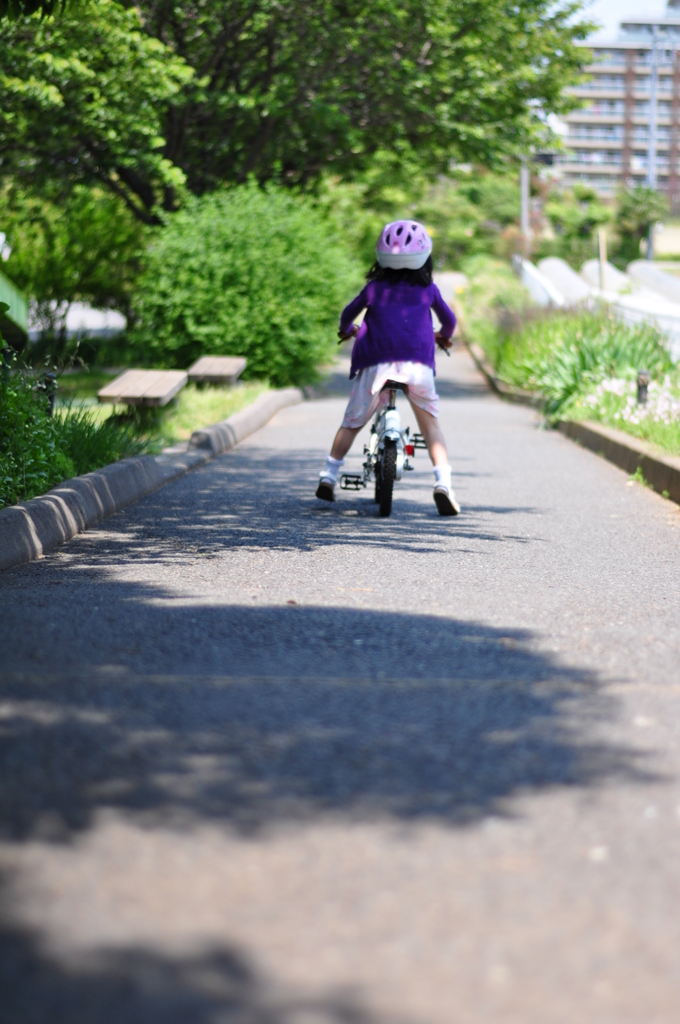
610 12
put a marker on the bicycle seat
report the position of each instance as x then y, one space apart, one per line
395 385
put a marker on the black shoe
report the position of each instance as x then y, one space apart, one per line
325 490
445 500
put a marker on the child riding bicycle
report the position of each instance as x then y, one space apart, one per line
396 342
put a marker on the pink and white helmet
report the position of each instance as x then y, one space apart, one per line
403 245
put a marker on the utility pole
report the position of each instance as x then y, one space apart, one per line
651 148
524 218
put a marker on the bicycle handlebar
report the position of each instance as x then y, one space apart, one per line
354 330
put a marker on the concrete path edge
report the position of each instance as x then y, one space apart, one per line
507 391
33 528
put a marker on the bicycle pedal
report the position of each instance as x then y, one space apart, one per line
351 482
418 441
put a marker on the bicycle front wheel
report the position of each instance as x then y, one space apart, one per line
388 474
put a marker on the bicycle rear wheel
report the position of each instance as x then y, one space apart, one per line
388 474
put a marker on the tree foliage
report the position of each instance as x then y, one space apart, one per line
638 208
23 8
285 91
297 88
575 215
82 98
465 211
85 246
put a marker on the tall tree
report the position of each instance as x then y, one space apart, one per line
283 89
638 209
291 88
83 99
23 8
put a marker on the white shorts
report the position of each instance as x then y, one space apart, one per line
366 395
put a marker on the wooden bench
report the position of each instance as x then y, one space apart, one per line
143 387
217 369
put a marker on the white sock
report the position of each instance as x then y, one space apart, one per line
442 475
332 468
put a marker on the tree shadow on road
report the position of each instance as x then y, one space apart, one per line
136 986
171 714
414 718
250 499
177 713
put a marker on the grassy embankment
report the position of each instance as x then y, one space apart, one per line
583 364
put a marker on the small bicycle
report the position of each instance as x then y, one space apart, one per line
387 452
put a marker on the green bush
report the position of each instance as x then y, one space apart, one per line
37 452
245 271
31 457
638 208
575 216
561 355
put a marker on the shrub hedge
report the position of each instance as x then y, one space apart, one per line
37 451
245 271
31 457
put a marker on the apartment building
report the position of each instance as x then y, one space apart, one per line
608 137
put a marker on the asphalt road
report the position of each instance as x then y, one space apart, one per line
271 762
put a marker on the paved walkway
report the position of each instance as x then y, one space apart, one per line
266 762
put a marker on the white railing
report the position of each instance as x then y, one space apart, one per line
601 87
541 289
596 135
588 157
616 109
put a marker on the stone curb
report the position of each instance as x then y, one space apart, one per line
662 472
220 437
33 528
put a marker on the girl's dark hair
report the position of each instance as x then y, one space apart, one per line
423 277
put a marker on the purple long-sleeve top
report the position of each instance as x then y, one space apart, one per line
397 325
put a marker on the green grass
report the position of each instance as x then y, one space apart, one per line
664 436
493 305
564 355
92 442
197 407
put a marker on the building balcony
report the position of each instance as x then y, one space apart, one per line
604 186
662 141
610 66
595 114
588 88
573 166
601 113
608 141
